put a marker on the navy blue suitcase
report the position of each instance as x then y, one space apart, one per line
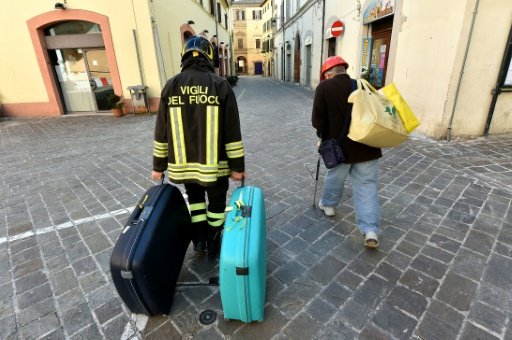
148 255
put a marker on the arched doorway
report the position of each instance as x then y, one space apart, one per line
92 46
186 32
296 59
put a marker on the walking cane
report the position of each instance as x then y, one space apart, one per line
316 179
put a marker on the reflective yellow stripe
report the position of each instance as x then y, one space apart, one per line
178 138
197 206
235 149
235 154
201 172
217 223
213 215
193 167
212 125
160 149
234 145
198 218
223 173
193 175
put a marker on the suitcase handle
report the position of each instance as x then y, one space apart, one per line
212 281
140 207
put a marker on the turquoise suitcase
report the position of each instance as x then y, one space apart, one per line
243 256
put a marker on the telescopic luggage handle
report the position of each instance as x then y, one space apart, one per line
212 281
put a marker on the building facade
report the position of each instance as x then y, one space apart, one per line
268 38
68 56
439 54
249 36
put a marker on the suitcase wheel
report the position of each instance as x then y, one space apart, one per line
207 317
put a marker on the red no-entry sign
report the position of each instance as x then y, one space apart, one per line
337 28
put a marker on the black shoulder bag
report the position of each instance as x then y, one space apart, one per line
330 149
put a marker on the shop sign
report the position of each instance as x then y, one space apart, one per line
378 9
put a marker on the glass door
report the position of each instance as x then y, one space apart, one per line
84 79
99 77
73 77
379 59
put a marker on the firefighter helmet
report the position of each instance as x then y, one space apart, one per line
330 63
197 45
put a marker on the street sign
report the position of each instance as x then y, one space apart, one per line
337 28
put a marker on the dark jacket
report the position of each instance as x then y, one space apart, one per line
197 131
330 107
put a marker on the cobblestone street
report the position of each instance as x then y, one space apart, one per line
443 269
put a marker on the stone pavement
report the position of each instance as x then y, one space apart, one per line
443 271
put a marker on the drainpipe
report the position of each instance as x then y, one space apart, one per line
137 49
501 79
139 61
448 135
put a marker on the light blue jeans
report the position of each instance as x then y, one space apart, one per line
364 177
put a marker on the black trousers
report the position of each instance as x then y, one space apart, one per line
207 219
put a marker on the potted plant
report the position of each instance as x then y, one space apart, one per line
116 104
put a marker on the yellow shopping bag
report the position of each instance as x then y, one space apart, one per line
404 111
375 120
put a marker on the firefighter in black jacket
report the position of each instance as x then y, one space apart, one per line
198 140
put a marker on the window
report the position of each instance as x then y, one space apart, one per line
256 15
226 20
258 43
219 14
240 15
240 44
331 50
212 6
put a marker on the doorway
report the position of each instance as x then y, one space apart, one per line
297 60
381 36
258 68
309 65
